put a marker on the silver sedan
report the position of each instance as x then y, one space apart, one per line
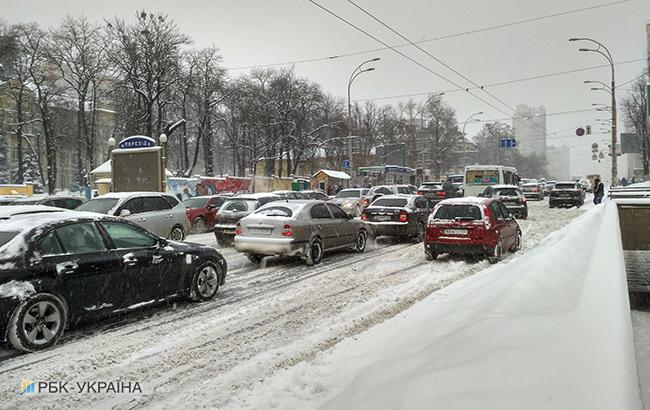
350 200
305 228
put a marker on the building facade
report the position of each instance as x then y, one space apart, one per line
529 126
558 163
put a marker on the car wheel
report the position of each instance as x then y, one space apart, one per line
199 225
223 240
421 231
496 254
314 252
37 323
360 243
254 258
517 245
551 205
205 282
177 234
429 255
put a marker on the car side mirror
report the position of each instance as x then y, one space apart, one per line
124 213
162 242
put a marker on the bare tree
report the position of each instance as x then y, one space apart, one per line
635 116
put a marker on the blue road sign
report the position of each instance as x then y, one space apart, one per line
508 143
346 164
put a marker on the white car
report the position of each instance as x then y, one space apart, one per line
160 213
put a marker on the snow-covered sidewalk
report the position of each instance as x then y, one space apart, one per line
548 330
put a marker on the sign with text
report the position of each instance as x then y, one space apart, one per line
137 141
507 143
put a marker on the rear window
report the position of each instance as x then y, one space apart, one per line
352 193
455 179
483 177
391 202
460 212
281 211
238 206
565 186
430 186
195 202
507 192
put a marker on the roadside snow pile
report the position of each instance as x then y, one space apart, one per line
550 329
16 289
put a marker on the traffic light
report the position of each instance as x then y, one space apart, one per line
588 127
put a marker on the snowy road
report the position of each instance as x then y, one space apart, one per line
263 319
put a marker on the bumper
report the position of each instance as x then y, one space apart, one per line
458 249
269 246
533 194
565 200
517 209
389 228
223 229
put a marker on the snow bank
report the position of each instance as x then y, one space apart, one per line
548 330
16 289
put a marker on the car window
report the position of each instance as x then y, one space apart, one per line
337 212
403 190
126 236
281 211
460 212
565 186
217 202
496 210
81 238
49 244
267 199
170 200
319 211
238 206
194 202
504 211
383 190
421 203
155 203
349 193
391 202
100 205
508 192
133 205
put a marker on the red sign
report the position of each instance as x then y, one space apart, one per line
580 132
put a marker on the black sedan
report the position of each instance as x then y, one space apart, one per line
398 215
58 268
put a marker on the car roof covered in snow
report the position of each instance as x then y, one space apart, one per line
120 195
505 186
25 221
254 196
10 211
466 200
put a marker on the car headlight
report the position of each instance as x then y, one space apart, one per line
347 205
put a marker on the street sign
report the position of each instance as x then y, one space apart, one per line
580 132
594 146
588 129
137 141
594 156
507 143
346 164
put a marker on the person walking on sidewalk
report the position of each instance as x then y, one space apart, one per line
599 191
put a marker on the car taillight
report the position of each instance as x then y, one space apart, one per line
287 230
238 229
441 193
364 216
535 189
365 201
419 193
523 199
403 217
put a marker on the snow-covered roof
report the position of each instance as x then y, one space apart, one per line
333 174
644 184
255 195
504 186
103 181
106 167
466 200
9 211
128 194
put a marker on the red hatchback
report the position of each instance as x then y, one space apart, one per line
471 226
202 211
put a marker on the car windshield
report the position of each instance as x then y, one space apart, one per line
238 206
352 193
195 202
281 211
459 212
99 205
5 237
530 185
565 186
391 202
430 186
455 179
507 192
22 202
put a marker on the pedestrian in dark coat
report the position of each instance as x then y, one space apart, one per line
599 191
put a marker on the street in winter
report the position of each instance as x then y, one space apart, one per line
312 204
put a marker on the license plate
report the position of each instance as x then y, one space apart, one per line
260 231
456 231
383 218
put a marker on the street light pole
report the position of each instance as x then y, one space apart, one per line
163 160
469 119
354 75
612 90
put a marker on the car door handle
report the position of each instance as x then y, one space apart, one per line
169 216
66 268
129 260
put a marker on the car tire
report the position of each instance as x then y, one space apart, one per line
205 282
223 240
496 254
517 245
177 233
551 205
360 242
255 258
48 312
421 231
314 252
199 225
429 255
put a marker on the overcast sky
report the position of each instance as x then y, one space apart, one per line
255 32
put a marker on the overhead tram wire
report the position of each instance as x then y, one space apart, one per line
406 56
438 60
444 37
